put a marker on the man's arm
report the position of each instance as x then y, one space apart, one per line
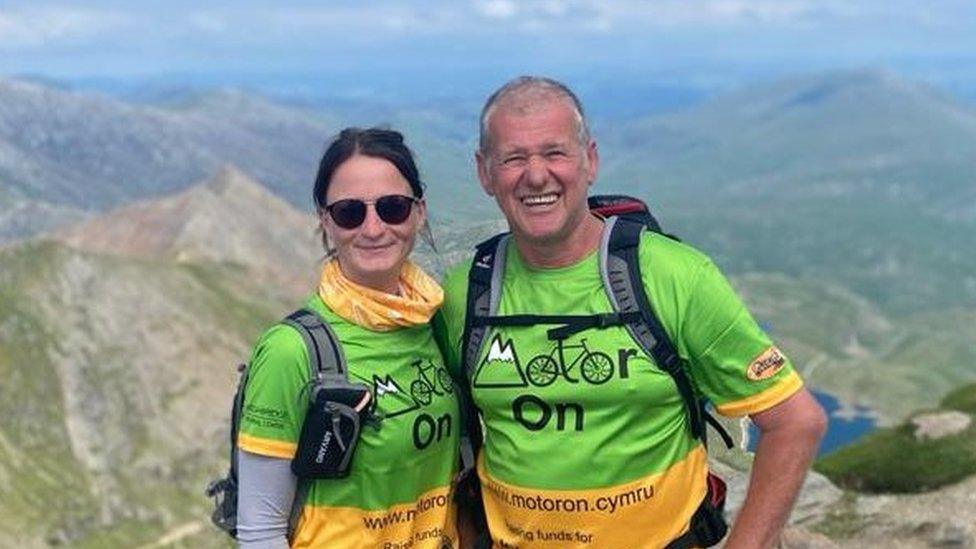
790 434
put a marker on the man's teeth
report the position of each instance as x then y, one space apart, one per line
540 199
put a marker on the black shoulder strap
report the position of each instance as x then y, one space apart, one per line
484 292
620 268
325 357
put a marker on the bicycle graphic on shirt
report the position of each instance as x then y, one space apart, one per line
596 367
423 388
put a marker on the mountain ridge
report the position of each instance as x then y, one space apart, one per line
227 218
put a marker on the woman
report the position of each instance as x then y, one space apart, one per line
379 304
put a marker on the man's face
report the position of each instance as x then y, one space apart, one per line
538 171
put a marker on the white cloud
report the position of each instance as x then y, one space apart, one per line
366 21
42 26
684 13
245 30
497 9
732 13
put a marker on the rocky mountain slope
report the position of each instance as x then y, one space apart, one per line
119 344
927 460
228 218
115 373
117 357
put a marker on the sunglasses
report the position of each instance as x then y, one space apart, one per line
392 209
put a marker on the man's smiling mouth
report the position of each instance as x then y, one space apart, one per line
540 199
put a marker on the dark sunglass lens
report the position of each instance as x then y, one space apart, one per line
394 209
348 214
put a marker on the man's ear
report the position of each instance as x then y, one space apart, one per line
483 176
593 160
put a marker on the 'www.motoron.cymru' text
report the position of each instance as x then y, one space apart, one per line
605 504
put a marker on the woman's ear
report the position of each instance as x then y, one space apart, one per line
421 207
322 228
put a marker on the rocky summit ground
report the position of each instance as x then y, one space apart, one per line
826 517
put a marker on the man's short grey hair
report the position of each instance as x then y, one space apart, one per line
530 89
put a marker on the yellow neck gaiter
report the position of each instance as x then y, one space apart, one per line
419 298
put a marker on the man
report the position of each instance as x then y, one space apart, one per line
608 460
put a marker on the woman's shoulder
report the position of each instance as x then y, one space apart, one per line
280 346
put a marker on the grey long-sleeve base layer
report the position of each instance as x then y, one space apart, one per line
266 490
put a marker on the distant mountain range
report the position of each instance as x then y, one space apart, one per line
858 178
94 152
66 155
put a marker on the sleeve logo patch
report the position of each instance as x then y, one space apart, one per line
766 365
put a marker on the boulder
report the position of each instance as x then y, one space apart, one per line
937 425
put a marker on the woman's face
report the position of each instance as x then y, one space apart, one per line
372 253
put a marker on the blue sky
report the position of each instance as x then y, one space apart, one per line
349 40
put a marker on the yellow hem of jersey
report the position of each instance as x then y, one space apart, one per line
428 522
267 447
764 400
608 516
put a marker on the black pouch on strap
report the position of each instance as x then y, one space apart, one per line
331 430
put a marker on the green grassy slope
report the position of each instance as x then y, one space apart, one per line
893 460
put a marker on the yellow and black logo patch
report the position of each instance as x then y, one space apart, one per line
766 364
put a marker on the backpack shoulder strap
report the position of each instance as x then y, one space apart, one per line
325 358
326 362
484 293
620 269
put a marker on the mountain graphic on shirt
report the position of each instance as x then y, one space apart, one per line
500 366
391 399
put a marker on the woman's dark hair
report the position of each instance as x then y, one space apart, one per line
375 142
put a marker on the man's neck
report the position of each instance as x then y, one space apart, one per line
584 240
